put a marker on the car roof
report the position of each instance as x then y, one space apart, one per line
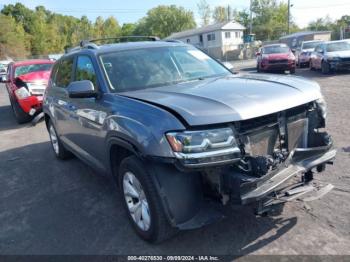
337 41
33 62
313 41
271 45
110 48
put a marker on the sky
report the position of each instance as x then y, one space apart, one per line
130 11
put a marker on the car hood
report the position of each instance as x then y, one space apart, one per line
340 53
230 98
40 76
277 56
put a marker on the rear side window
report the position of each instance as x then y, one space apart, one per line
64 73
85 70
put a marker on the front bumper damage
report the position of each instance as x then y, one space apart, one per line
274 149
302 160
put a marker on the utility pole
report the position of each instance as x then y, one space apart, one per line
288 16
251 18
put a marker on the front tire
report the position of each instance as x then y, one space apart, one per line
60 151
21 116
142 202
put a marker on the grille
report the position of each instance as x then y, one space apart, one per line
278 61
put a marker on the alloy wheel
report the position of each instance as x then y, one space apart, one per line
136 201
54 141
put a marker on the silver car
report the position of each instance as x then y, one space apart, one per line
331 56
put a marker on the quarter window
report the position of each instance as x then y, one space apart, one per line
85 70
64 73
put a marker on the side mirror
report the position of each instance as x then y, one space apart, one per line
293 50
81 89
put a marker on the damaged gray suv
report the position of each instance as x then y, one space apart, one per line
182 135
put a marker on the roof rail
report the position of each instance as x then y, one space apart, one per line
91 44
122 39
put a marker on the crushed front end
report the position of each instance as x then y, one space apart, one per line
266 153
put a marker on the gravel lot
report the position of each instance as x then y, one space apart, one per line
63 207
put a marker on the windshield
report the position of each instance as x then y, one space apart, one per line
310 45
152 67
275 49
22 70
338 46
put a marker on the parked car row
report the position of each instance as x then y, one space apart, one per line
26 82
328 57
181 135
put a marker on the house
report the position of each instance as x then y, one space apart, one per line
295 40
218 40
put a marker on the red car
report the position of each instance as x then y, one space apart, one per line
276 57
26 82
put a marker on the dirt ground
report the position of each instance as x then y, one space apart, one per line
63 207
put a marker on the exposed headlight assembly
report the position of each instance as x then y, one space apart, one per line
22 93
322 107
205 147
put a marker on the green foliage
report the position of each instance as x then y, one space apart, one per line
12 40
204 12
163 20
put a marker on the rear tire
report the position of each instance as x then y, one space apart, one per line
60 151
21 116
148 218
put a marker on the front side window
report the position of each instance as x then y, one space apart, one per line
64 73
26 69
85 70
152 67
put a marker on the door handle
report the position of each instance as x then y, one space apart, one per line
61 102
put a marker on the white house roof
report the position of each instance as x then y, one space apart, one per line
232 25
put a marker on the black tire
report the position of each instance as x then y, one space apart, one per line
258 68
325 68
159 229
292 71
311 66
21 116
61 152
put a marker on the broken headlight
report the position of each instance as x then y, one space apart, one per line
205 146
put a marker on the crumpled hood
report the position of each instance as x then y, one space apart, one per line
39 76
340 53
231 98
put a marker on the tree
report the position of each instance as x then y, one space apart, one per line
13 40
111 27
204 12
128 29
163 20
220 14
